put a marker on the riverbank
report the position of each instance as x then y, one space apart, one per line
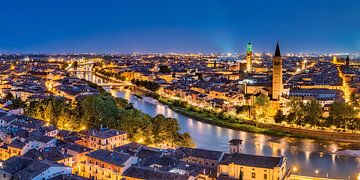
255 127
270 129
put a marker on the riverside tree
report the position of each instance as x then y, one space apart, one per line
94 111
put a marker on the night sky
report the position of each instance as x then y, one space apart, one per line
126 26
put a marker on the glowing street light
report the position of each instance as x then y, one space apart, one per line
294 171
317 173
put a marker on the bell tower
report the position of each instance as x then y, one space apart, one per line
277 84
249 56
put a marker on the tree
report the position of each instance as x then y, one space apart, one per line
262 104
296 110
339 112
353 124
291 118
75 64
313 113
95 110
98 111
16 103
279 116
245 110
9 96
64 65
55 108
354 100
121 103
164 69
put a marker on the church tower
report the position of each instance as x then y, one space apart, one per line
277 84
347 61
249 56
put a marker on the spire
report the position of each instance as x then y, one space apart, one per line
277 51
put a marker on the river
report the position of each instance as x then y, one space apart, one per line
306 154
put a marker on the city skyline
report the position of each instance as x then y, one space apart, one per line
181 27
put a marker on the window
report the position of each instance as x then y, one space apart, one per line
265 176
253 175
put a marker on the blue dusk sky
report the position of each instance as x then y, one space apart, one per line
126 26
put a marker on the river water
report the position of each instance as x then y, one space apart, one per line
306 154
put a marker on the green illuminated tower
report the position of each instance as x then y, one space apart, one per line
249 54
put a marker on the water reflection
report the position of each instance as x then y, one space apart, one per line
307 155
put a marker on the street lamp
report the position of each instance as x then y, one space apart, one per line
358 177
317 173
294 171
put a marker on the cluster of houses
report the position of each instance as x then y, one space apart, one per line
32 149
225 84
29 80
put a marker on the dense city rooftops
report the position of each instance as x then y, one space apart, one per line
111 157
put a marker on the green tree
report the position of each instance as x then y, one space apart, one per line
9 96
279 116
262 105
16 103
98 110
64 65
291 118
164 69
339 112
296 110
313 113
354 100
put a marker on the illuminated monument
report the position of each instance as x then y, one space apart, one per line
249 55
277 84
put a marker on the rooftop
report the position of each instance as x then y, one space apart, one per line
111 157
252 160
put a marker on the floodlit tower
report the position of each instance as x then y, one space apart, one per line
277 84
334 60
249 56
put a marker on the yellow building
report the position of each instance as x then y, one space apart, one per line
166 77
105 164
15 148
78 154
252 167
219 93
104 139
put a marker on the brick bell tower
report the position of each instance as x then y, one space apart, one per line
277 84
